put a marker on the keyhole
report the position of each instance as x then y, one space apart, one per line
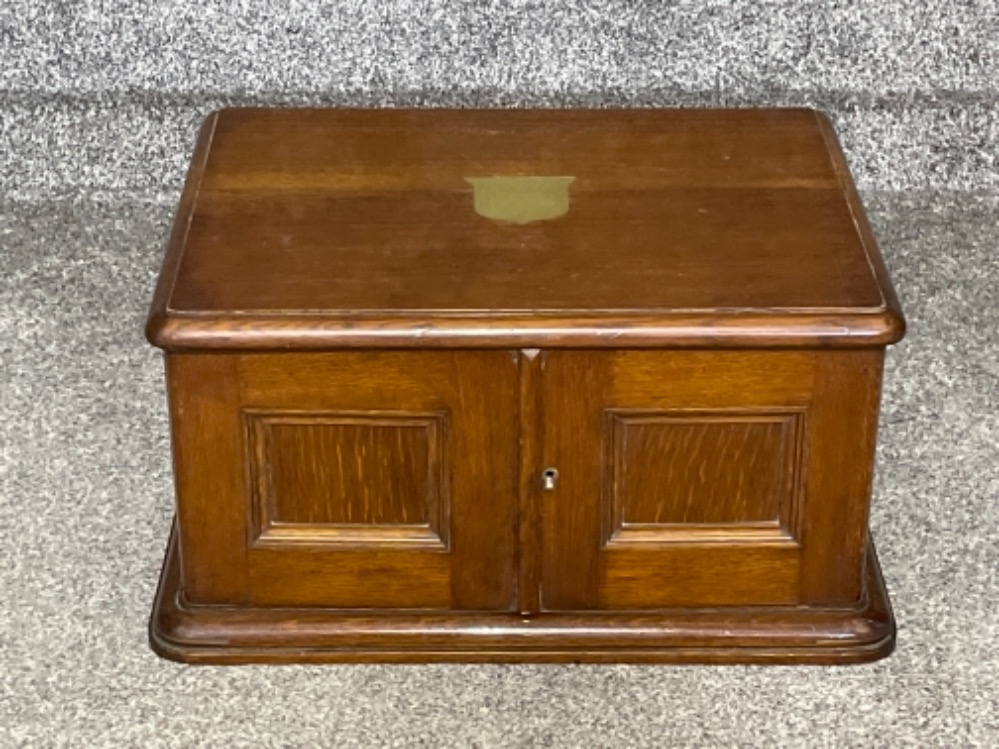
548 479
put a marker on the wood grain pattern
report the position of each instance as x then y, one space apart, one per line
355 150
305 549
686 476
708 329
581 570
666 259
531 364
368 379
371 478
697 470
840 468
334 228
479 393
210 477
836 391
351 474
768 635
574 398
694 574
363 577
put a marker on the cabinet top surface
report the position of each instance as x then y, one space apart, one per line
349 222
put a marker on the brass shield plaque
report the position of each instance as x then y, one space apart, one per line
520 200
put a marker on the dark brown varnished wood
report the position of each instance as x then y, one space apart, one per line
818 487
251 519
332 228
768 635
210 477
382 331
529 520
351 469
686 329
346 477
664 469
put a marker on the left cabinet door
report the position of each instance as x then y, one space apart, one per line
347 480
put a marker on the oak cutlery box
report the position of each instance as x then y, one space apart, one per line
522 386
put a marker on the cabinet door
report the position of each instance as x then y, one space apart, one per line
352 480
706 478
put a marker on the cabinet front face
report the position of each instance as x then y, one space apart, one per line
706 478
351 480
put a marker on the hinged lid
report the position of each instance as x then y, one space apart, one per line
333 228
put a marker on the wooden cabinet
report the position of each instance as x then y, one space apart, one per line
449 386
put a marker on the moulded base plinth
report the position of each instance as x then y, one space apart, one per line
800 634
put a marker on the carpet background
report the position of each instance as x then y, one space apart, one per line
99 102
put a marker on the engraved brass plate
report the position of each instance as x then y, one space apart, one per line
521 200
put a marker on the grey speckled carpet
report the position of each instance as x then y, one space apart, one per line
98 103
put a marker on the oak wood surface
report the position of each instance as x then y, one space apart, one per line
767 635
321 555
669 471
812 550
531 470
371 367
349 477
352 471
330 228
209 476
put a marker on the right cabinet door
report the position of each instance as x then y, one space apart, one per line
706 478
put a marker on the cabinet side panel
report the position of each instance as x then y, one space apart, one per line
843 431
209 476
